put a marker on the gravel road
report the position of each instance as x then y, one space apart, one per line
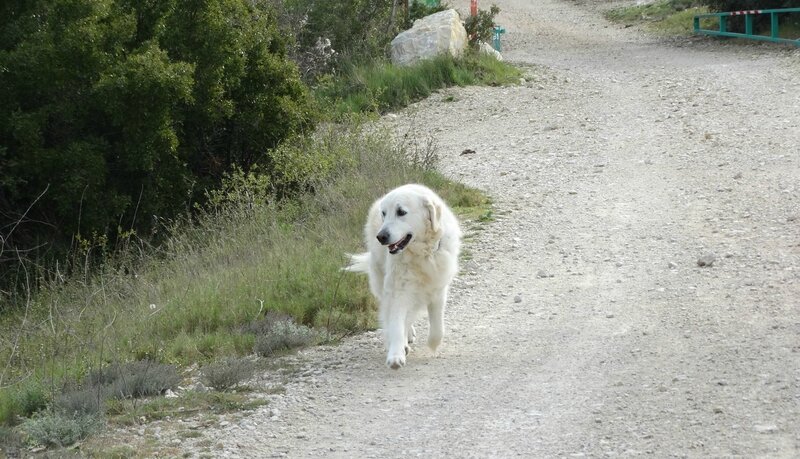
582 324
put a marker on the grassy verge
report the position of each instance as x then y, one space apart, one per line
206 295
253 272
380 86
667 17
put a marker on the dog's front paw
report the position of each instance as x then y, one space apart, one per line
395 361
434 341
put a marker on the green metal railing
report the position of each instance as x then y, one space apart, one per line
749 15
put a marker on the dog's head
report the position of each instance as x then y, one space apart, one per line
409 213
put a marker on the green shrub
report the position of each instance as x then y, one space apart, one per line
135 379
53 429
359 29
116 111
82 402
32 398
480 28
283 335
228 373
420 9
10 442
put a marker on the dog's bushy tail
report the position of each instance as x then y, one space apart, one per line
359 263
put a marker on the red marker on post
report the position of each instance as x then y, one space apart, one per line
473 7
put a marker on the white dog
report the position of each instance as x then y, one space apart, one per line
413 240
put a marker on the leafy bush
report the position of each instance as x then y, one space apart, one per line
355 28
32 399
135 379
480 28
81 402
53 429
280 335
228 373
115 111
10 442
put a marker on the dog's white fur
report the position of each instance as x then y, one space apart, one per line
418 276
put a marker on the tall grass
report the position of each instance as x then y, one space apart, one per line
667 17
192 300
379 86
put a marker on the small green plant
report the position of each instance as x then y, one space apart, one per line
480 28
10 441
281 335
130 412
135 379
228 373
32 399
81 402
55 429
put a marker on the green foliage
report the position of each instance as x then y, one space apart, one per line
227 373
134 379
53 429
356 28
480 28
280 335
32 399
670 17
10 441
655 11
126 412
419 9
115 111
381 86
87 401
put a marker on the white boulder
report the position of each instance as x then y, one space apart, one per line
486 48
430 36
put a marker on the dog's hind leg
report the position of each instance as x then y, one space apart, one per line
436 319
411 334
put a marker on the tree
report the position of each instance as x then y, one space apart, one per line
125 109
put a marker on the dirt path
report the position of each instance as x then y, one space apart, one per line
582 325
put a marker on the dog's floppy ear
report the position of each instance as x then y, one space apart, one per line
435 213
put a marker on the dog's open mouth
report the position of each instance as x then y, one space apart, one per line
399 245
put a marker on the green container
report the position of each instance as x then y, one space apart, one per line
496 37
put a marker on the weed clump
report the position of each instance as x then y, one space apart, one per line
87 401
228 373
136 379
275 333
57 429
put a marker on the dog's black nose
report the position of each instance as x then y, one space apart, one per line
383 237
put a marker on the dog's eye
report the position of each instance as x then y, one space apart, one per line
401 212
383 213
